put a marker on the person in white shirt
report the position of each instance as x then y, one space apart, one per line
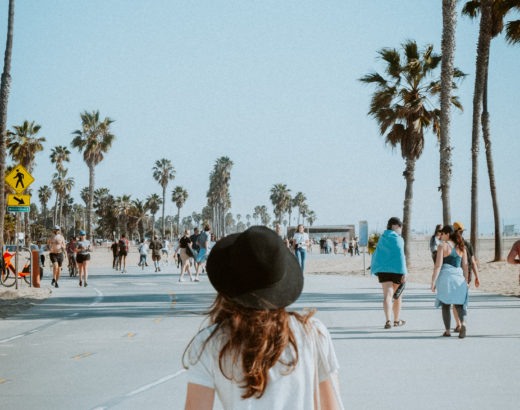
255 354
301 241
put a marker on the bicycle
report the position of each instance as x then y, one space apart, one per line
8 271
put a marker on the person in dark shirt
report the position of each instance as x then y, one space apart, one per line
115 254
194 242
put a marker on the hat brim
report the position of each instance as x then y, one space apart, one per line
276 296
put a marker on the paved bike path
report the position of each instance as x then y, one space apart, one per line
118 343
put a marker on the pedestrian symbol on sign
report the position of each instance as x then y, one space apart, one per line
19 176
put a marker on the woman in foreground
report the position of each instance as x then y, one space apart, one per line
254 354
449 280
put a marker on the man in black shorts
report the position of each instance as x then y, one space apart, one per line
123 252
56 246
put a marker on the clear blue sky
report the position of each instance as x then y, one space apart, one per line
271 84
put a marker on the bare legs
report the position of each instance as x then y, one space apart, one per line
389 304
82 267
185 267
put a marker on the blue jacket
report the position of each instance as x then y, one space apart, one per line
389 254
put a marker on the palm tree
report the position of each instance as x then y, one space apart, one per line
84 194
153 202
218 194
280 198
94 139
494 25
59 155
449 22
179 196
248 218
311 218
299 202
163 172
403 108
137 215
44 195
123 206
62 185
23 144
4 97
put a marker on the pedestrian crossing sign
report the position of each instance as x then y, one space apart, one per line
19 179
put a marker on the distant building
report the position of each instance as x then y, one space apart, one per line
319 231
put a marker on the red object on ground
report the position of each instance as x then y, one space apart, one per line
35 263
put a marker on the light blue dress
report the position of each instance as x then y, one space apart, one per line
451 285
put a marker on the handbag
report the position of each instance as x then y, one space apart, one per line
319 357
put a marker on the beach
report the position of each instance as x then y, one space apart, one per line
495 277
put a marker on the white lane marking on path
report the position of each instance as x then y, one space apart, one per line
117 400
97 299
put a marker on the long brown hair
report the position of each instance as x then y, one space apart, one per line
258 337
455 236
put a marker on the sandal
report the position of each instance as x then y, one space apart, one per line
462 333
387 325
446 333
457 329
399 322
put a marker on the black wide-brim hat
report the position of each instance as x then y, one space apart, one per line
255 269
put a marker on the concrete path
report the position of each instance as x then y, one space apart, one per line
117 344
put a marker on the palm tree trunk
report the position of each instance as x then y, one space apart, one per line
484 41
62 197
4 97
90 201
409 175
163 205
449 22
55 217
491 172
178 220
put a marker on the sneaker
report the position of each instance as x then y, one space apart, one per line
56 285
85 284
196 280
182 280
80 283
159 269
53 282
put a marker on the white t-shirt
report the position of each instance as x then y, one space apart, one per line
290 391
301 238
143 249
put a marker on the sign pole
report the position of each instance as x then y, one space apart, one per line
17 250
364 260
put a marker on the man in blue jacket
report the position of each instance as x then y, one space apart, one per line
389 265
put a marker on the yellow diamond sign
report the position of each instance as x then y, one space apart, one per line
19 179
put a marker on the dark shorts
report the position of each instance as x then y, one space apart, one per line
123 253
156 257
56 257
82 258
390 277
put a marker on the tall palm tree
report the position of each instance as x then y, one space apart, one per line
123 207
449 22
179 196
280 198
4 97
248 219
299 202
163 173
311 218
59 155
137 214
218 195
23 145
62 186
94 139
153 202
495 23
44 195
402 106
84 194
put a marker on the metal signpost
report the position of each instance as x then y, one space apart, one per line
19 180
363 241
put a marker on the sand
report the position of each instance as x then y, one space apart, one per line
495 277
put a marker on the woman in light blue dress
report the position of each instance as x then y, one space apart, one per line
450 278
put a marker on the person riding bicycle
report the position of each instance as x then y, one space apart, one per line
71 255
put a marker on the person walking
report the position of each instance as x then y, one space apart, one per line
124 245
514 256
165 251
449 280
115 254
472 269
71 256
255 354
194 243
301 241
435 241
203 245
143 254
56 246
156 247
389 265
344 244
185 253
83 249
356 246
